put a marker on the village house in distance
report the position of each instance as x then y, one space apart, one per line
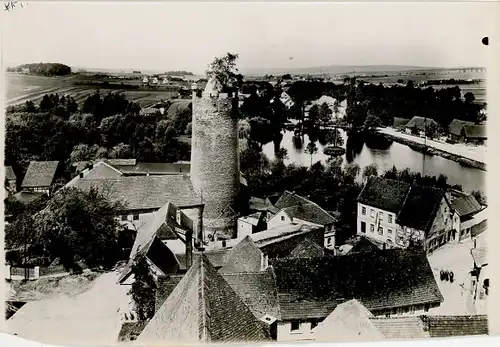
210 251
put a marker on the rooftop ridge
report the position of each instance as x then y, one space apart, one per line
203 302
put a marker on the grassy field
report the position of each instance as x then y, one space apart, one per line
21 88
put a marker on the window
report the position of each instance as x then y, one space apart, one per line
295 326
314 324
426 307
136 217
329 240
390 218
363 227
381 216
389 231
372 213
363 210
380 231
389 241
282 218
124 217
372 228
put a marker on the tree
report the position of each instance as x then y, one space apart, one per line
370 170
120 151
372 122
143 290
281 154
469 97
223 70
311 149
79 225
480 197
29 106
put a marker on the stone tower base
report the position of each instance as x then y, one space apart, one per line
222 228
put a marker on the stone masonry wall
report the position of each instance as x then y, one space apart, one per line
215 161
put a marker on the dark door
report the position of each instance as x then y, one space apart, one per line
363 227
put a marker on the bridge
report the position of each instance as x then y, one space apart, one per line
338 125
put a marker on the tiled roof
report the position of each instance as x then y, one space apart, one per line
464 204
252 219
383 193
281 233
164 287
160 228
145 192
288 199
310 213
217 257
257 290
9 173
456 126
350 321
475 131
380 280
40 174
447 326
420 122
410 327
307 249
244 257
154 168
203 308
122 162
420 207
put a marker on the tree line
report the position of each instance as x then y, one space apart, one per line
43 69
104 126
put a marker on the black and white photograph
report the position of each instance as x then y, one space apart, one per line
192 173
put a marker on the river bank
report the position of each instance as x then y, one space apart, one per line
429 149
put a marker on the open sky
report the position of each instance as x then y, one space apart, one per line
171 36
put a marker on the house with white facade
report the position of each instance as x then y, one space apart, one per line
294 208
40 176
397 214
468 213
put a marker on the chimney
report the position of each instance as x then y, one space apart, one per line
384 247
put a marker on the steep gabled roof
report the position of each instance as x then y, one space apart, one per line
420 207
380 280
142 168
148 241
456 126
288 199
307 249
464 204
448 326
40 174
350 321
203 308
386 194
244 257
310 213
475 131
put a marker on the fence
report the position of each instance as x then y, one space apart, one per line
33 273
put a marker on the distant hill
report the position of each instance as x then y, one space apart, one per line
335 69
42 69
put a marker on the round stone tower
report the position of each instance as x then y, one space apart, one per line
215 165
